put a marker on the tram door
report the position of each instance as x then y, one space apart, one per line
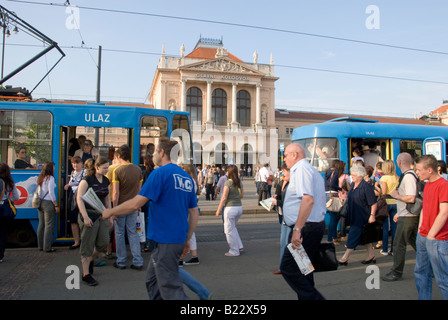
105 141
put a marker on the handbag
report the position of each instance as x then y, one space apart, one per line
371 232
325 258
334 204
37 199
381 209
8 210
344 212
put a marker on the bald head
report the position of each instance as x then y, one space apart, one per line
293 154
295 147
406 158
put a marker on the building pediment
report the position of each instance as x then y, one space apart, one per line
221 65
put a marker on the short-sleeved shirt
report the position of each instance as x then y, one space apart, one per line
304 180
128 177
392 183
408 187
234 198
360 201
170 191
434 194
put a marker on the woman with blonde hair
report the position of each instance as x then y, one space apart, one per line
231 200
389 182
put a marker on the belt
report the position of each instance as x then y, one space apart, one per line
309 224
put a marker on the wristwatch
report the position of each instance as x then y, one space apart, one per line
296 229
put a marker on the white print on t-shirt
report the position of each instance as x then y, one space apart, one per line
182 183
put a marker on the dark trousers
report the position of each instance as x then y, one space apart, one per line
262 191
3 236
312 234
406 233
209 192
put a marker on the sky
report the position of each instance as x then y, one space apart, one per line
325 52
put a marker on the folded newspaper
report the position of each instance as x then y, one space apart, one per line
92 199
302 259
268 203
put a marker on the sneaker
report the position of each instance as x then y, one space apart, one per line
181 263
193 260
118 266
88 279
384 253
391 277
136 267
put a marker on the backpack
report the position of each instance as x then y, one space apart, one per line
416 207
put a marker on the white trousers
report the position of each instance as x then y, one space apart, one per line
231 216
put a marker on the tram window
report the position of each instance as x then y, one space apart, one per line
413 147
105 140
25 138
320 151
152 128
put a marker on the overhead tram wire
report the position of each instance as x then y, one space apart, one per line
233 24
360 74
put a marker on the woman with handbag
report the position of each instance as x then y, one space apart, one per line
389 182
362 207
7 187
48 207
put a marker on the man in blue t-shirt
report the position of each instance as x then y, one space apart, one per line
172 219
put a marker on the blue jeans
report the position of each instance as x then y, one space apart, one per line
122 225
194 285
284 235
333 225
432 258
392 209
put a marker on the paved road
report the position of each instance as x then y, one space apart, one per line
27 274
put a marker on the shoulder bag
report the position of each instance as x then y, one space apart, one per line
334 204
381 209
37 199
8 210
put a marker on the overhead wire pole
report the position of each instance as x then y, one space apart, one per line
25 26
98 81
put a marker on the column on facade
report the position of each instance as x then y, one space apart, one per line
209 101
234 111
258 105
183 96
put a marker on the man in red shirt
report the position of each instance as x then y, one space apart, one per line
432 238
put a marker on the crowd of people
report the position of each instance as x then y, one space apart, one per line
302 200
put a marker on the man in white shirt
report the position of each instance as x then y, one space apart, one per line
407 223
304 210
263 176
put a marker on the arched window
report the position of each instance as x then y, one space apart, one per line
243 108
194 105
219 107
